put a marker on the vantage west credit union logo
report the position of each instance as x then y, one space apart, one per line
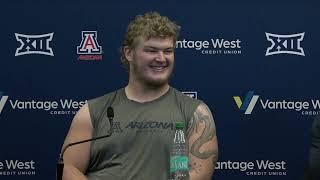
53 107
254 168
3 100
212 46
251 101
17 168
89 48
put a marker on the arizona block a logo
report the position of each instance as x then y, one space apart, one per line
89 48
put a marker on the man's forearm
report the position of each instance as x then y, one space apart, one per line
72 173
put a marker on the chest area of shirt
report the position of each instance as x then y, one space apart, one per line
143 126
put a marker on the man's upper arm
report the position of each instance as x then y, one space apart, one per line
80 129
203 144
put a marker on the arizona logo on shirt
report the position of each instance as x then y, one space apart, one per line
89 48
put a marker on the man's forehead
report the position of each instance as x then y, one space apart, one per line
156 41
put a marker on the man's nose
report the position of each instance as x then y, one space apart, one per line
160 56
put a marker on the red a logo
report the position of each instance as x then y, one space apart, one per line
89 43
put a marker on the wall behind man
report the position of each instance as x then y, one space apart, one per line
222 55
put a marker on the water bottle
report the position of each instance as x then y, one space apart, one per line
179 159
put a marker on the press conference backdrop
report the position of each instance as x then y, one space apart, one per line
256 65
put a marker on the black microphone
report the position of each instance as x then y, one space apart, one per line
110 114
60 163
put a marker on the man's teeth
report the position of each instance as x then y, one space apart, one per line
158 67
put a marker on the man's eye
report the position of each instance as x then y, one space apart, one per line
168 51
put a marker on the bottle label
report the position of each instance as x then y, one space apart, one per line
179 163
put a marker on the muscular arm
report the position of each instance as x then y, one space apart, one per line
76 158
203 144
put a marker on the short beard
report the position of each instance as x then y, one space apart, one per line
154 84
151 83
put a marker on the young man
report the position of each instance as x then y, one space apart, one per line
145 112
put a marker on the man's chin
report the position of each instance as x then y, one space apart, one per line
157 83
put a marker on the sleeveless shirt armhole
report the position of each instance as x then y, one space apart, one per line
92 112
187 106
97 107
191 113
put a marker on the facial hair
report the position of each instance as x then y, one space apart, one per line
141 76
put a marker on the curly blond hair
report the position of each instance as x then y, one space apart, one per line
147 26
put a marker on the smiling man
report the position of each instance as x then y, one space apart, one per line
145 112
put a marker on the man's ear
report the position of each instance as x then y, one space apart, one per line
128 53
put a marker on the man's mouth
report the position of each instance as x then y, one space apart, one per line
159 68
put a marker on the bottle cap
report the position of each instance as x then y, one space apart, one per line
179 125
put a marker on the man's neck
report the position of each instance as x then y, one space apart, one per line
140 93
